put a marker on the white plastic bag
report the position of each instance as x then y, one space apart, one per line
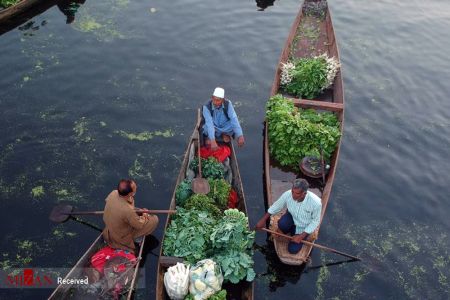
205 279
176 281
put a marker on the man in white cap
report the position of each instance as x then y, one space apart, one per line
221 122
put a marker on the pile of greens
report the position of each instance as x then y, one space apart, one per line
183 192
232 243
188 235
220 295
202 203
219 192
295 133
309 77
211 168
195 234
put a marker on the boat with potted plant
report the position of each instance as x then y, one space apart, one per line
305 116
188 242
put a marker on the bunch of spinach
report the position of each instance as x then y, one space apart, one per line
295 133
188 235
211 168
202 203
309 77
232 243
219 192
183 192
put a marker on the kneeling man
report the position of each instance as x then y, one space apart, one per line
302 216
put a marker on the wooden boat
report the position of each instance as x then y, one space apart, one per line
277 179
22 11
242 290
68 291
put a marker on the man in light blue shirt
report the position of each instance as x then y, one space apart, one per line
221 122
302 216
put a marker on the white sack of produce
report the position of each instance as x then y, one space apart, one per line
176 281
205 279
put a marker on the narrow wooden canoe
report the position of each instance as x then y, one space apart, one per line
277 179
78 271
242 290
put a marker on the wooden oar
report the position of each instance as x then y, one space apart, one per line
199 185
313 244
61 213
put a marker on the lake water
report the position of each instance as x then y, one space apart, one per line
114 94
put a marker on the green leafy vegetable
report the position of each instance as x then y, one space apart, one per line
308 77
236 265
295 133
202 203
188 235
220 295
219 192
232 243
211 168
183 192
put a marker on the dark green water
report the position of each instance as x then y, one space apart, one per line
74 99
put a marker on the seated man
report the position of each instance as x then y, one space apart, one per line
302 216
123 224
221 121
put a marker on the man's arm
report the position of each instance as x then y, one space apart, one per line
275 208
234 121
315 220
209 123
135 221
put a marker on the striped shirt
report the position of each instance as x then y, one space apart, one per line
306 214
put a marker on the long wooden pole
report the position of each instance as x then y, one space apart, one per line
100 212
313 244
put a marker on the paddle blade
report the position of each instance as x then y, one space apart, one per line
60 213
200 186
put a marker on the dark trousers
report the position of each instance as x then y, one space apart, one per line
287 226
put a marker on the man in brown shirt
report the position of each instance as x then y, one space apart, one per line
123 224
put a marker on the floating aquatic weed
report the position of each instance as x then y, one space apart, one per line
102 27
145 135
52 114
38 191
80 129
396 251
139 171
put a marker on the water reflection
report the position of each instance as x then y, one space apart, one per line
69 8
278 274
263 4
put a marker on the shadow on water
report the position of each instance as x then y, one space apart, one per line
68 7
263 4
278 274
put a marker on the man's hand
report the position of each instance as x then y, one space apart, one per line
261 224
298 238
241 141
214 145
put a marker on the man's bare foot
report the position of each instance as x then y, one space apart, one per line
226 138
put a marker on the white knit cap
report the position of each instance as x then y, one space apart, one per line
219 92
